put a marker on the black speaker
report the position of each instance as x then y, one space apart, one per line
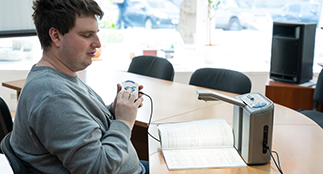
292 51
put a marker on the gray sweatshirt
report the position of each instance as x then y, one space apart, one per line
63 126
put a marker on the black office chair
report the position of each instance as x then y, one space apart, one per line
221 79
318 98
15 162
152 66
5 120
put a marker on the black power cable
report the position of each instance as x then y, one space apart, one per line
151 114
277 165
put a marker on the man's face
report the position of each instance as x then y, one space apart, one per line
78 46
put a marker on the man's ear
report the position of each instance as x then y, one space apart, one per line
54 34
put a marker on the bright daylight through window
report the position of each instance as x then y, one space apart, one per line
237 32
241 30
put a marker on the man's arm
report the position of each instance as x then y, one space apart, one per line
79 139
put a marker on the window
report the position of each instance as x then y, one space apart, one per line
294 8
242 30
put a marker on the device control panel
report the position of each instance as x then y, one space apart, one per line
254 100
129 84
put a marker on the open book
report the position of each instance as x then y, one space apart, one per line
199 144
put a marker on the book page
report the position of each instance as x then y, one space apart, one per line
202 158
201 133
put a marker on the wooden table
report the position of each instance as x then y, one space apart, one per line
296 138
15 85
291 95
165 99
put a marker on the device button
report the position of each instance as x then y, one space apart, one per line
250 97
130 81
132 88
259 105
256 105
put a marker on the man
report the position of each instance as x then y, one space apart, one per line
61 124
123 18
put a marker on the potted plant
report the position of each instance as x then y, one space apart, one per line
211 50
212 7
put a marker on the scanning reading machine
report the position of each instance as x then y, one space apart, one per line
253 117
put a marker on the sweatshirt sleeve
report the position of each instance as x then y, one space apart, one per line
79 139
111 110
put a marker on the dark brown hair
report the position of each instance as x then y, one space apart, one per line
60 14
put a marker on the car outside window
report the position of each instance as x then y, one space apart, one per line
308 8
295 8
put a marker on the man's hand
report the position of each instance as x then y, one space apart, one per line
125 105
119 88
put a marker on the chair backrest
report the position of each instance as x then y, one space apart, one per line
318 92
15 162
5 119
221 79
152 66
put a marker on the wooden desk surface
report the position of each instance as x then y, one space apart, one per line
296 138
169 99
166 98
15 85
296 145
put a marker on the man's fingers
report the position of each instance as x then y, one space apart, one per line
118 88
120 94
138 102
126 94
141 102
